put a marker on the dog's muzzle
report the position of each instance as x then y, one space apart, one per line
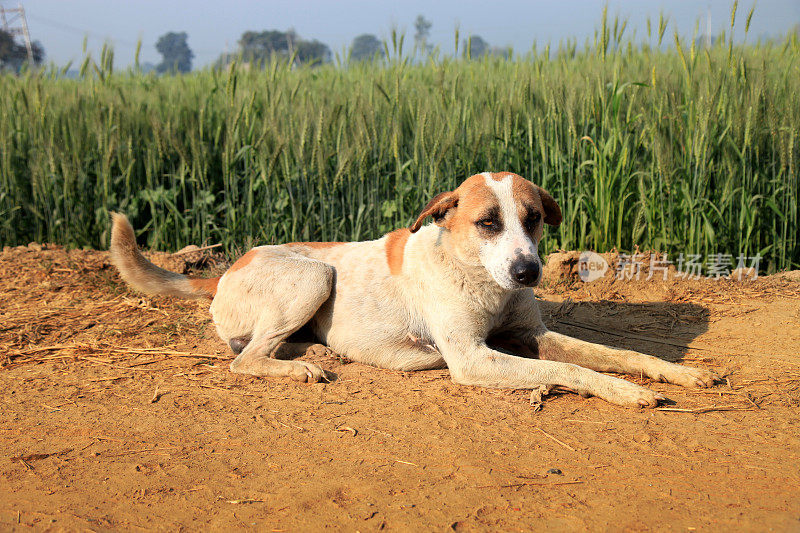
525 272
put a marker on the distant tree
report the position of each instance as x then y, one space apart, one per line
475 47
422 33
14 55
256 48
8 48
366 46
176 54
313 52
37 52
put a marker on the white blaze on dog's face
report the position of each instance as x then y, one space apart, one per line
495 220
511 230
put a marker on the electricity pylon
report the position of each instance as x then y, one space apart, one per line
14 22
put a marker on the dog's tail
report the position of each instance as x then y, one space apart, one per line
143 275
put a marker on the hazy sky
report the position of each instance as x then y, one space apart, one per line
214 26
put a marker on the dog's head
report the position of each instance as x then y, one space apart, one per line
496 220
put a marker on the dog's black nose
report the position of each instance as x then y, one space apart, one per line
525 272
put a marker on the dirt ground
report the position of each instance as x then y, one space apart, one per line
118 412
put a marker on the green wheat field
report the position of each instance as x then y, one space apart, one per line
669 146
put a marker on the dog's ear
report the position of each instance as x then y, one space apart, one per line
552 212
437 208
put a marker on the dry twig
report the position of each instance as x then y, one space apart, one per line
705 409
202 248
549 436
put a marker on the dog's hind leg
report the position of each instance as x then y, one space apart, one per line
285 350
256 361
292 350
263 303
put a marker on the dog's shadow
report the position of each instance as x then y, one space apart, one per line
662 329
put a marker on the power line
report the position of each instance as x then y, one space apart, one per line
80 31
84 32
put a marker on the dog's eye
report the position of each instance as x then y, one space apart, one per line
490 225
532 219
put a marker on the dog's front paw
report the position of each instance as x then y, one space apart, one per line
637 398
688 376
625 393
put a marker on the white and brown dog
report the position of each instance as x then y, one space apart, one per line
446 294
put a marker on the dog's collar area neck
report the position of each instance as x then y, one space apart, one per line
475 274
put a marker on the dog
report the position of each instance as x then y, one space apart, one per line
455 293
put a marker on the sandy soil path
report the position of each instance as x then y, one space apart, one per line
118 413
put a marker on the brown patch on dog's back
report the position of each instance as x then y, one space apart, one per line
206 285
243 261
395 246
